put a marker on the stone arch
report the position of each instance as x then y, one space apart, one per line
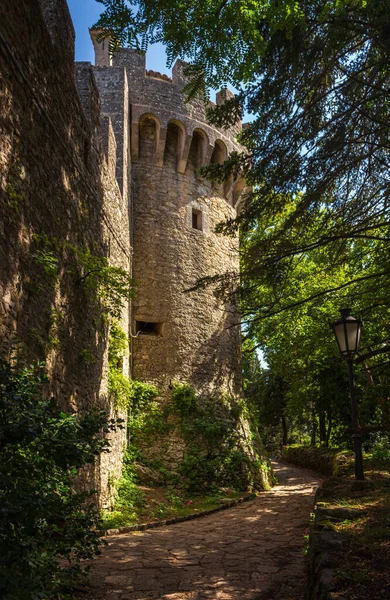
174 144
220 152
198 148
149 133
219 156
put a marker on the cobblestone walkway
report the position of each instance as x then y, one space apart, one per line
250 552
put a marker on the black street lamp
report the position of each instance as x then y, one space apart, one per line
347 330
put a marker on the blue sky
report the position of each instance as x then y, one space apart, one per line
84 14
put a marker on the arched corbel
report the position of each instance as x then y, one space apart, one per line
160 148
159 135
228 188
239 191
184 152
208 154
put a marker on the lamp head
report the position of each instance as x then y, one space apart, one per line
347 331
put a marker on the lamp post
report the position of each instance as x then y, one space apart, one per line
347 330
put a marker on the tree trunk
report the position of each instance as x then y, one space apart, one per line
285 430
313 429
329 429
322 423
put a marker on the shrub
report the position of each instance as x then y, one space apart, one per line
216 454
46 527
381 447
128 494
323 460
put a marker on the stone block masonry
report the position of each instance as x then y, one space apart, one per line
58 191
105 159
183 336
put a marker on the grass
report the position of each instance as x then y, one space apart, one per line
158 503
363 570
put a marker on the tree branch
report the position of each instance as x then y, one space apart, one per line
322 293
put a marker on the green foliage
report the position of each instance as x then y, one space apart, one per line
45 254
86 356
13 188
128 497
111 286
183 399
118 344
48 261
328 461
53 340
128 494
147 417
381 448
46 528
128 395
142 394
119 388
215 454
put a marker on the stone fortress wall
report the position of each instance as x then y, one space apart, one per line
180 336
57 186
104 158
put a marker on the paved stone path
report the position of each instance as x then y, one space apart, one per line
251 552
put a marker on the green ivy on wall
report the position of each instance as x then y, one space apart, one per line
111 286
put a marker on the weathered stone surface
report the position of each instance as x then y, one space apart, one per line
57 192
337 514
325 549
146 474
177 334
105 159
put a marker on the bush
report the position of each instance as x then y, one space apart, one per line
215 454
381 448
46 528
323 460
128 494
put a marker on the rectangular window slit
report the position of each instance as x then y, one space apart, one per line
149 328
196 219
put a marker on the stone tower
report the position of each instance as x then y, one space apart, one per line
178 335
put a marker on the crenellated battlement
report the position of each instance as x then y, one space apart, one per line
160 111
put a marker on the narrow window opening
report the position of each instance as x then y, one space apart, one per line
148 328
196 219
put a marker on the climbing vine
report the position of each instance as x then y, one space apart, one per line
217 452
111 286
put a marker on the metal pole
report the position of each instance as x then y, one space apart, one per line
356 436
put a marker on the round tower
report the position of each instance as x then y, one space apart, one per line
180 335
187 336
